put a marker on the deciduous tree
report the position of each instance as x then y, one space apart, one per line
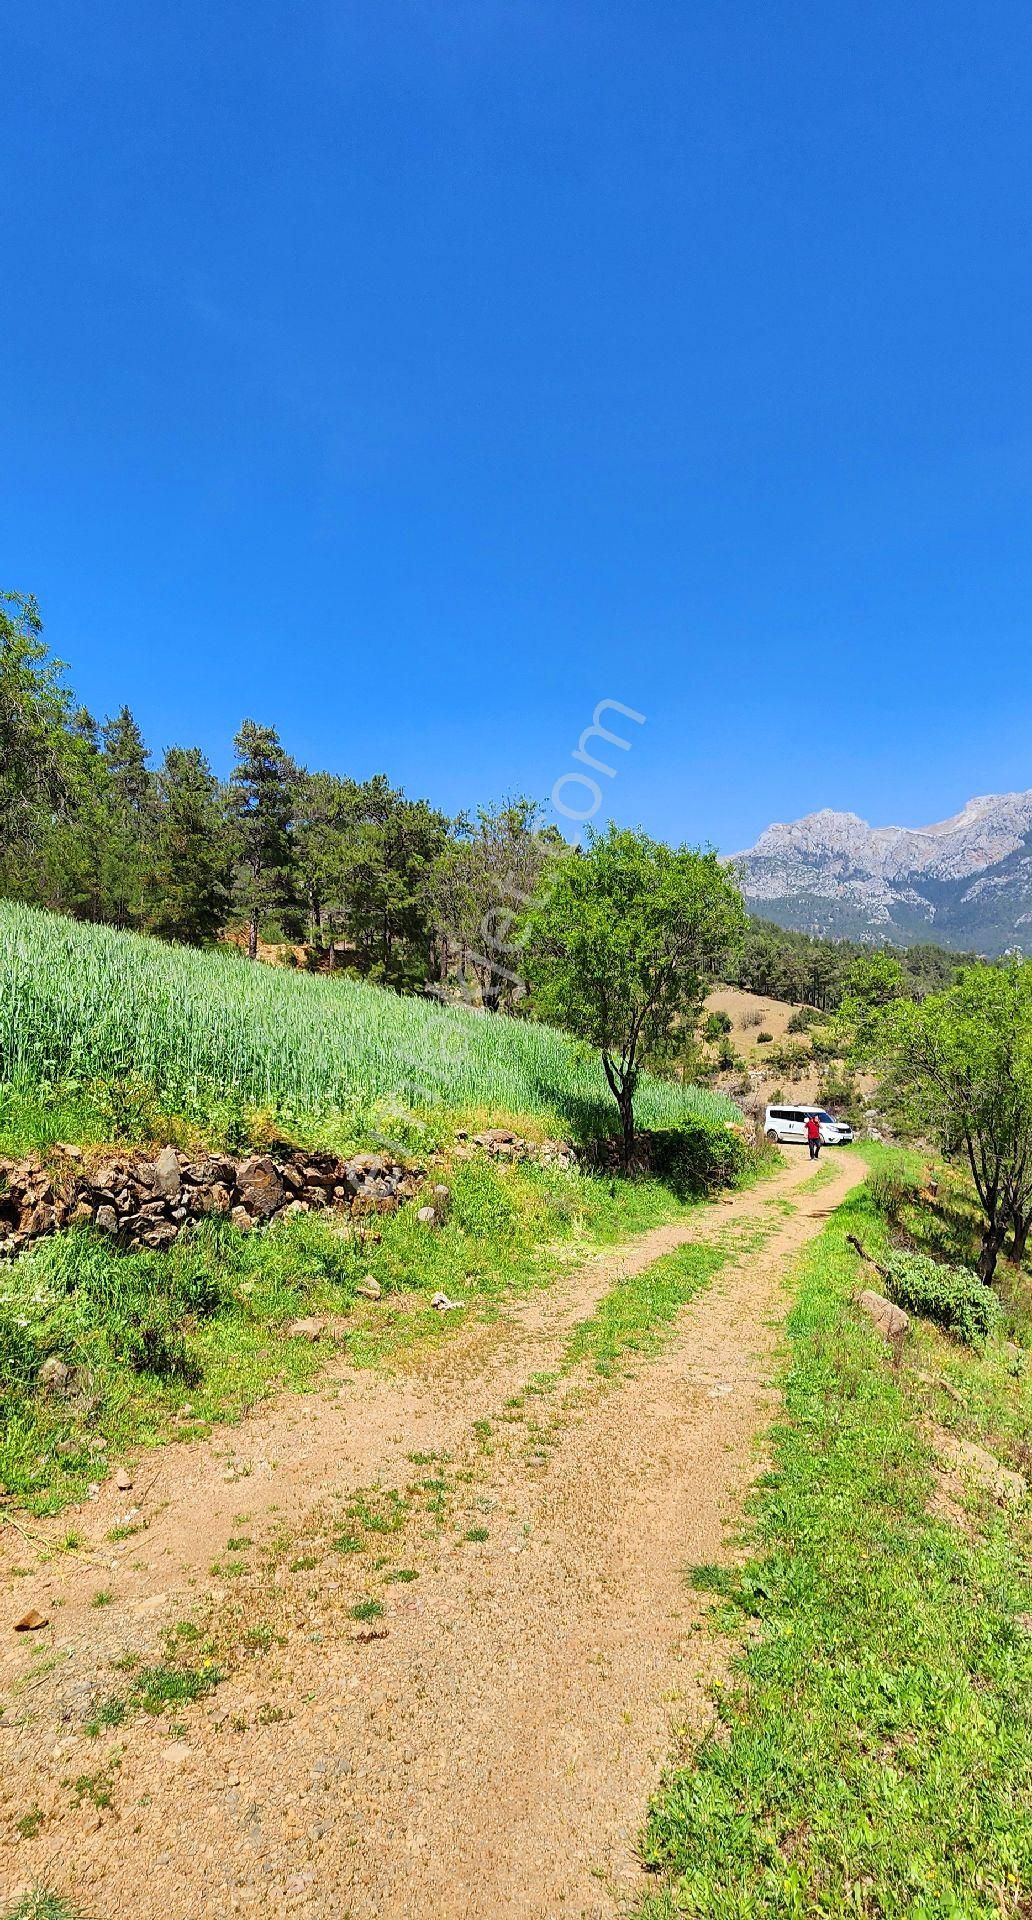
621 942
961 1064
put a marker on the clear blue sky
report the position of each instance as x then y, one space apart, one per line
416 373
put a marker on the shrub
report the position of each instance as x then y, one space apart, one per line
802 1019
764 1039
727 1058
715 1024
954 1297
789 1056
697 1159
826 1043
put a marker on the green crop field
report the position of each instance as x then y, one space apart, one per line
81 1002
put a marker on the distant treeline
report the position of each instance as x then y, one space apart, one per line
788 965
90 827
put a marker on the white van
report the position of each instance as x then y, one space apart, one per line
788 1125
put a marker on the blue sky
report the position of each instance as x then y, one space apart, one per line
416 373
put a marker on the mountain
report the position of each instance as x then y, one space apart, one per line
964 882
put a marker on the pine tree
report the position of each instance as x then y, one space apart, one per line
130 817
188 881
262 803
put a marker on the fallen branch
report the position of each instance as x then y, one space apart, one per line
852 1241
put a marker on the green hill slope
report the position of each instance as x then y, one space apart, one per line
80 1002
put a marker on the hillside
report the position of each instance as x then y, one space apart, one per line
78 1002
964 882
777 1059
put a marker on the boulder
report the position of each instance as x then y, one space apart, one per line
54 1375
305 1329
978 1464
259 1187
167 1177
213 1198
889 1319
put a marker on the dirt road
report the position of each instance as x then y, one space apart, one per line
452 1609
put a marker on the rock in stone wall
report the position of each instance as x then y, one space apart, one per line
502 1145
147 1201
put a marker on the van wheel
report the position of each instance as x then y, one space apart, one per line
771 1135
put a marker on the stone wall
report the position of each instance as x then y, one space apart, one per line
147 1201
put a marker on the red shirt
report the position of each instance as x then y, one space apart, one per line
813 1127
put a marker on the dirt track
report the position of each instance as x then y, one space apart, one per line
492 1754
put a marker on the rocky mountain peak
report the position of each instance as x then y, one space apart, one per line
965 881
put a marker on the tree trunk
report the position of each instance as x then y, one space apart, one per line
1021 1224
993 1238
626 1100
252 935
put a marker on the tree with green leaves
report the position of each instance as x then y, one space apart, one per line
33 713
387 861
263 793
621 942
875 979
188 878
128 798
481 882
960 1065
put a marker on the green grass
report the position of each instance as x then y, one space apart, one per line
222 1300
875 1756
634 1315
41 1905
367 1610
170 1685
81 1003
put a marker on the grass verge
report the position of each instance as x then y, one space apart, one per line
163 1346
874 1752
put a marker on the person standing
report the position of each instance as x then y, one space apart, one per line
813 1135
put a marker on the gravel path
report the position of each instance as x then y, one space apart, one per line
486 1744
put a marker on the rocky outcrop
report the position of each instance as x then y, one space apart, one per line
144 1201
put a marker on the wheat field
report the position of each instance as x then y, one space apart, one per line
79 1002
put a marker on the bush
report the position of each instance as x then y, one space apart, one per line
789 1056
803 1018
727 1058
698 1159
764 1039
838 1088
715 1024
954 1297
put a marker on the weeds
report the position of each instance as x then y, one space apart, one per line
367 1610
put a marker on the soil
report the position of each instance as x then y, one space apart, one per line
486 1745
754 1013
